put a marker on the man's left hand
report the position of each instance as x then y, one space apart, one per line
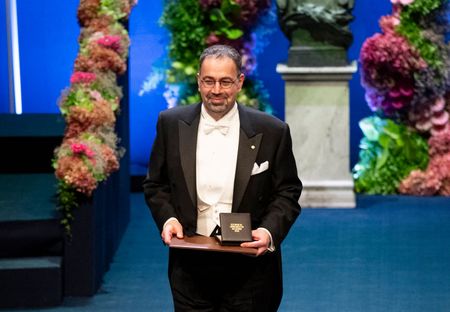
261 240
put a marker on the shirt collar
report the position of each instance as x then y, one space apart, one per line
227 119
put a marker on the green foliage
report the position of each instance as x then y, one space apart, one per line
221 20
77 97
193 27
427 50
421 7
67 201
413 19
112 8
185 20
389 152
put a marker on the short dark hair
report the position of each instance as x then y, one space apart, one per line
219 51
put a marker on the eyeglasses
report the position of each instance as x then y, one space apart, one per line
224 83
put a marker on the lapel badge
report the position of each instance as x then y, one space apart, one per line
252 147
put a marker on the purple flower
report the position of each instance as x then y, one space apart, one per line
389 64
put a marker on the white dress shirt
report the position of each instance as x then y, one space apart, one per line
216 159
217 149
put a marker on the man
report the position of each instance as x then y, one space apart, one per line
216 157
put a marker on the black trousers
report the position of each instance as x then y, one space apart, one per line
212 281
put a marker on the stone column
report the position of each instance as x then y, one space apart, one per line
317 111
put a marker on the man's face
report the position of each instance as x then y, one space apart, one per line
219 83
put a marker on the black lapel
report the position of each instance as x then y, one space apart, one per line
249 143
187 131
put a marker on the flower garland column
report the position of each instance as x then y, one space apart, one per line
90 153
93 192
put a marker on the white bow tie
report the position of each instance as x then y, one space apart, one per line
208 128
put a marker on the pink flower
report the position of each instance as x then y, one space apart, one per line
437 130
388 23
111 41
82 77
420 183
431 117
440 118
402 2
440 165
438 105
439 144
96 95
212 39
73 171
80 148
423 125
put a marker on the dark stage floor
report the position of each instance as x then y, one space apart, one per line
389 254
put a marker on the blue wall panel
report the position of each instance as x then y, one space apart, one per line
48 33
148 47
275 52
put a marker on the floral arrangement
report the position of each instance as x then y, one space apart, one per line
406 76
89 152
435 179
388 152
196 24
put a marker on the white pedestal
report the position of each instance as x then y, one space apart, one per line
317 111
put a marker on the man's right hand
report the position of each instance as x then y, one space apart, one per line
171 228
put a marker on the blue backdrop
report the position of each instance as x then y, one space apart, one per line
48 34
48 46
4 93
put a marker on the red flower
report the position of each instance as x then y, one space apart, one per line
82 77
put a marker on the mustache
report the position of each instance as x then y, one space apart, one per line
211 96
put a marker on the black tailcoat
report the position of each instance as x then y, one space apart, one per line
271 197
